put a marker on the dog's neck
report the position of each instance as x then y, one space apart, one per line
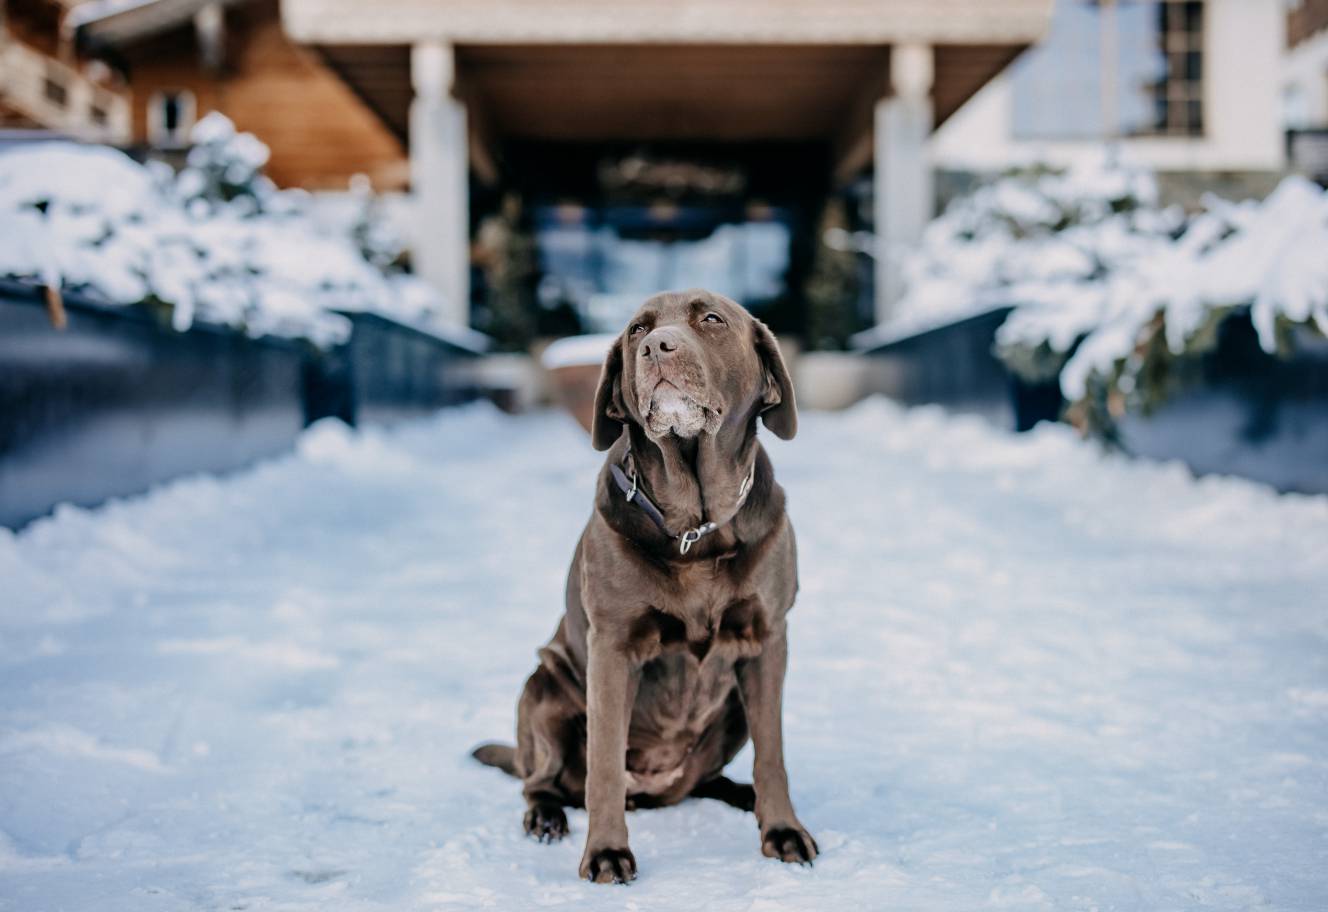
698 479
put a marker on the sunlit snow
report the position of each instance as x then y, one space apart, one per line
1023 674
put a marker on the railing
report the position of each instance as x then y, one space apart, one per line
58 97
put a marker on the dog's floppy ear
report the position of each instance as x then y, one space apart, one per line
606 425
780 410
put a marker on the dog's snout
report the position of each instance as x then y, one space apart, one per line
660 344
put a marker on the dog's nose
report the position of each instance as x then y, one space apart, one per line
660 344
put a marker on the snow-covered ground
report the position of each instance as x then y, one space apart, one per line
1023 675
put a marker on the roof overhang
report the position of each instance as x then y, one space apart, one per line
625 22
110 23
666 70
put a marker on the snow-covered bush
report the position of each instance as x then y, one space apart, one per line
1108 287
1034 237
1117 346
216 242
224 168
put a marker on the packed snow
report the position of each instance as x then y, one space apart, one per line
215 242
1089 257
1023 675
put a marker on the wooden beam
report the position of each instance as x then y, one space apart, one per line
481 142
851 147
333 59
960 71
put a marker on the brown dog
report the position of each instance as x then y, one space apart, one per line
672 648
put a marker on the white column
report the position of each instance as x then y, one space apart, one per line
903 183
439 178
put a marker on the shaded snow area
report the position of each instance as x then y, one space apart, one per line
1023 675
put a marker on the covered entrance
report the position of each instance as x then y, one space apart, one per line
661 144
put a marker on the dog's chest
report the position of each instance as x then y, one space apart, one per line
679 702
726 628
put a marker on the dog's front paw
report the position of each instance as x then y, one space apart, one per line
789 843
609 865
546 822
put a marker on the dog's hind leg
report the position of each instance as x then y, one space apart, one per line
721 788
550 755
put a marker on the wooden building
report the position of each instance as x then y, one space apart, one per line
650 140
504 86
184 58
45 87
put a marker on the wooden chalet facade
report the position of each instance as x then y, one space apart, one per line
184 58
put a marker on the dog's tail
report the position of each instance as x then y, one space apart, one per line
502 756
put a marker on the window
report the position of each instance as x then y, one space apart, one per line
1114 68
1178 95
100 107
53 87
171 114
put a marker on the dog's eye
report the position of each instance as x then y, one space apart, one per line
712 317
636 328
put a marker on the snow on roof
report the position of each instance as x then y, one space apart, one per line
97 10
121 20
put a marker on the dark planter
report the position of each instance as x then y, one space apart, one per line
388 372
117 402
1236 409
955 365
1241 411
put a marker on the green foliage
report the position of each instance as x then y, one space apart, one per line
1148 377
506 254
832 289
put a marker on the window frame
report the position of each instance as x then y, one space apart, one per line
157 132
1178 102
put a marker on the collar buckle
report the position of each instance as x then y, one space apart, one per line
687 539
692 536
629 485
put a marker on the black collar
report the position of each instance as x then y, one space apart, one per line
627 482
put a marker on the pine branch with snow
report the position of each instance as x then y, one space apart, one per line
1109 287
217 242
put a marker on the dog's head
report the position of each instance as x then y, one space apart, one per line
689 363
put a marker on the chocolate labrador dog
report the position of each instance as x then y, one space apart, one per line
672 648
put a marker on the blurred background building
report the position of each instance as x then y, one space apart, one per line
376 179
562 159
1305 86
